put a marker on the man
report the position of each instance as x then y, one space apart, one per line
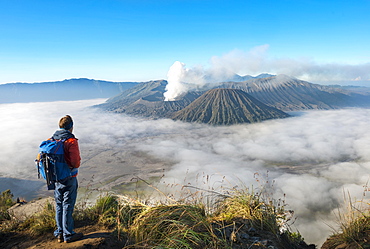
65 192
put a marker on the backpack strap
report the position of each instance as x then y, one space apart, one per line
58 140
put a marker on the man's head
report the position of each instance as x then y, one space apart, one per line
66 123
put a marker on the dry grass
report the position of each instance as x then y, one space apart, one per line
174 226
41 223
354 226
187 223
261 212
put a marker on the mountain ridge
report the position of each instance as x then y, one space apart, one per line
146 98
282 92
65 90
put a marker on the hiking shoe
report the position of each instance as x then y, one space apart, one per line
74 237
60 238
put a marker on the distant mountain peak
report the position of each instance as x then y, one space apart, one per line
238 78
271 82
264 75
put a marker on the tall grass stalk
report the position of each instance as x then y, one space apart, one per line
105 210
354 223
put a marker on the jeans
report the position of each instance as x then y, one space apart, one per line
65 195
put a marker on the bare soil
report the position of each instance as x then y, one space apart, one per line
94 237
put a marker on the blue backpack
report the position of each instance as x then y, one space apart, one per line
52 165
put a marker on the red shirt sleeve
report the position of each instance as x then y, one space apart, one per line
72 153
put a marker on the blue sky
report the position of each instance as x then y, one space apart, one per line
138 40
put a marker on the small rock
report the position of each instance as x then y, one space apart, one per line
228 232
22 211
255 238
244 236
264 242
342 246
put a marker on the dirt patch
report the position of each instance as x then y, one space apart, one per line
335 242
94 237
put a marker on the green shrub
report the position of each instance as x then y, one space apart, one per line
6 201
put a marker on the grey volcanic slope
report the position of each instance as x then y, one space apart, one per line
151 91
289 94
146 100
227 107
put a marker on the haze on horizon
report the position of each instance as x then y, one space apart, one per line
125 40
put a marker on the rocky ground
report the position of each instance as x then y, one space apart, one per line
94 237
97 237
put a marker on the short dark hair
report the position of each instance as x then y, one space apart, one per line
66 122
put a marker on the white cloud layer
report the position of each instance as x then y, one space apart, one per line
312 158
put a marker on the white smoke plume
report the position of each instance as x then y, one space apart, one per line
312 158
182 80
254 62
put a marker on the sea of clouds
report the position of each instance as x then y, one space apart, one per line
312 158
